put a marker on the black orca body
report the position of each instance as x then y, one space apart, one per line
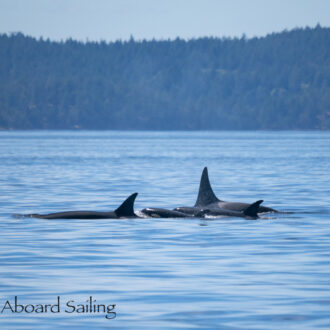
125 210
154 212
207 199
192 211
250 212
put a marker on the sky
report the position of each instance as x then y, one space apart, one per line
112 20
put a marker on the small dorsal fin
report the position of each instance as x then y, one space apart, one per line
206 195
252 210
126 209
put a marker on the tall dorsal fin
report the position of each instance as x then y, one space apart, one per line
206 195
126 209
252 210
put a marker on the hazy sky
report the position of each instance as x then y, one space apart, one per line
144 19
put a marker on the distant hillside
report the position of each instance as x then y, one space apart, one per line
281 81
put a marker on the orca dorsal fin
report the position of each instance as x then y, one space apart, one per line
252 210
126 209
206 195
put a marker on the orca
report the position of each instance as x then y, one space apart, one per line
124 211
251 211
192 211
154 212
207 199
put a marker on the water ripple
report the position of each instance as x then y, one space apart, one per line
223 273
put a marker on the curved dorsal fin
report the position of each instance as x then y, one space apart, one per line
206 195
252 210
126 209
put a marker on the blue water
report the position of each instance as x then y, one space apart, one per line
228 273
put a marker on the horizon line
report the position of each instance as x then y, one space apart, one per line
162 39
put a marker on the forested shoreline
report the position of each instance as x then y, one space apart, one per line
281 81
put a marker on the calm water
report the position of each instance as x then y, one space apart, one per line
181 273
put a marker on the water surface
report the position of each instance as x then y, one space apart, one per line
224 273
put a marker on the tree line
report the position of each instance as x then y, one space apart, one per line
280 81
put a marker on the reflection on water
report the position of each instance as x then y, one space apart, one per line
206 273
